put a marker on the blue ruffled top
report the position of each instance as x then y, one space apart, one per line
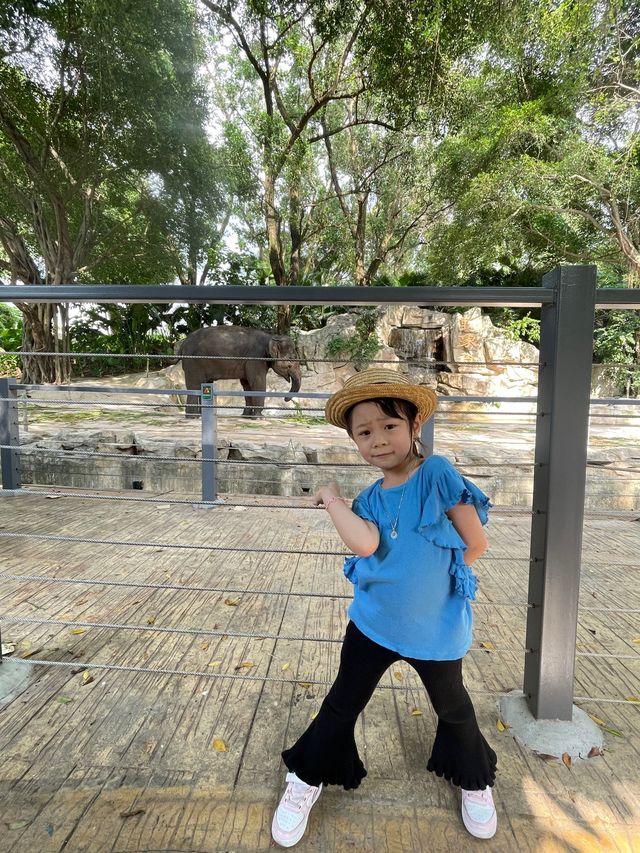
412 595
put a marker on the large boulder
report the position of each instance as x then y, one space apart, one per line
460 354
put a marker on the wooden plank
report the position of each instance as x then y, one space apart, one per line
144 741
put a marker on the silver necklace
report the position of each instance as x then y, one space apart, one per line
394 524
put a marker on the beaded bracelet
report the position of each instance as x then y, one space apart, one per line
333 499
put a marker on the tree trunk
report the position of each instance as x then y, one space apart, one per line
39 335
272 220
359 240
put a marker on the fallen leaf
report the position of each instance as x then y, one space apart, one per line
215 663
219 745
205 646
550 759
285 666
232 602
416 712
63 700
313 716
595 750
132 813
151 620
246 664
87 678
18 824
613 732
566 760
597 720
632 699
486 645
502 727
304 683
78 630
31 653
8 648
398 676
636 640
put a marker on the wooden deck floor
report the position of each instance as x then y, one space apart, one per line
103 760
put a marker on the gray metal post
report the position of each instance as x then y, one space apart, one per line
9 434
427 436
207 401
564 384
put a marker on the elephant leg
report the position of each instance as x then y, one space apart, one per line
192 408
253 405
192 381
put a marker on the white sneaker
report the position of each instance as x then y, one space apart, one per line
479 813
290 820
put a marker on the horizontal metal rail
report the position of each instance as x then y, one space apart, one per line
507 297
290 295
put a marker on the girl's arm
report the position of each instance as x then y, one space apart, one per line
360 536
465 520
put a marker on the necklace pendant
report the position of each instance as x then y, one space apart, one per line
394 533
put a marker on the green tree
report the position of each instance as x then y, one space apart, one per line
95 99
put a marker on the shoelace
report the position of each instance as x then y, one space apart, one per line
296 795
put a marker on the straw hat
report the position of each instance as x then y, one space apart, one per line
375 383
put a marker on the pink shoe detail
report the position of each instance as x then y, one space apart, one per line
290 820
479 813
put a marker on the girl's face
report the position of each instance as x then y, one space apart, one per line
383 441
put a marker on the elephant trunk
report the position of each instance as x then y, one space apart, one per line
296 378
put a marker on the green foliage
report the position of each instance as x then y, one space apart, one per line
361 347
120 329
10 339
523 328
10 327
102 134
617 342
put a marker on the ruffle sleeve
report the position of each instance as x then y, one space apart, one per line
449 488
349 569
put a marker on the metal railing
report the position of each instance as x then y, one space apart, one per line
568 298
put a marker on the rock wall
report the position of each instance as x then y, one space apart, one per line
85 461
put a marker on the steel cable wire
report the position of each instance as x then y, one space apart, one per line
222 589
202 632
198 502
412 362
224 634
286 592
301 682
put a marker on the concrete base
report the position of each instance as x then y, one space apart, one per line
13 676
550 737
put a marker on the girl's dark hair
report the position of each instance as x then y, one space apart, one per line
392 407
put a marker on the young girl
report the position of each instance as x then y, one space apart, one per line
415 533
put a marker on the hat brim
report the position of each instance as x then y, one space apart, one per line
339 404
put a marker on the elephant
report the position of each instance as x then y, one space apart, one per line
277 352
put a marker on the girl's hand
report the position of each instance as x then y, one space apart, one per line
332 490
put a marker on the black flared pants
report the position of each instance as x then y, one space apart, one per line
327 753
